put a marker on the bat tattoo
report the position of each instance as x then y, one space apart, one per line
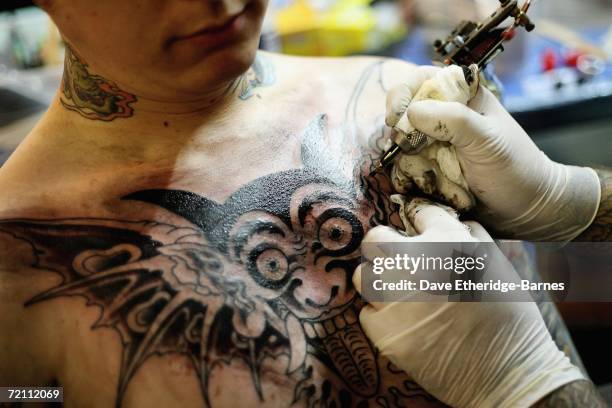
243 282
262 279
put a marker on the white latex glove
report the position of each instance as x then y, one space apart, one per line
521 192
435 168
485 355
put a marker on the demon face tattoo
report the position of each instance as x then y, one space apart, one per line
261 279
264 275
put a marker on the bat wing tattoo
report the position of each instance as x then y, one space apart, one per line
264 276
243 281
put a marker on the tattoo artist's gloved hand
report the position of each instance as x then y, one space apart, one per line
435 167
521 192
480 355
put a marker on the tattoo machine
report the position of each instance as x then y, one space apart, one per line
471 46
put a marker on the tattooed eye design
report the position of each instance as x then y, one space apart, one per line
335 234
339 231
269 266
257 281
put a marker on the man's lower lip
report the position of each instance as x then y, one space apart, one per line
218 37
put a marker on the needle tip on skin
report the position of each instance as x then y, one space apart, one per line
378 168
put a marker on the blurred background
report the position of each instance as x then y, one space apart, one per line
556 81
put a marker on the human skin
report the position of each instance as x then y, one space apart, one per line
150 48
209 209
600 229
292 192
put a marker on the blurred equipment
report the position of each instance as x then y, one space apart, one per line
565 79
31 55
470 43
569 38
336 28
24 54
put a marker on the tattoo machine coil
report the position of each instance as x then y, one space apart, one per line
471 46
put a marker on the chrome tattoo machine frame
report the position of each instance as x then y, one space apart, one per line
470 43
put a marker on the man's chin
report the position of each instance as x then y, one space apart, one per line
229 64
220 66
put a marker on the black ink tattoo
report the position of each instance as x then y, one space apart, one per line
601 228
92 96
577 394
237 285
262 278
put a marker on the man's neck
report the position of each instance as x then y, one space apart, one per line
97 99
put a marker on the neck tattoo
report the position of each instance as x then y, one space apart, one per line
97 98
92 96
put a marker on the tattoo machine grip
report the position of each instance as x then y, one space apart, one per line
451 84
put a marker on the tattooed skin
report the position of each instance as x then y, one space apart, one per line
261 280
576 394
261 73
240 284
92 96
601 228
97 98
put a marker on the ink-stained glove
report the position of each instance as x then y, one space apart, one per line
483 355
435 168
521 192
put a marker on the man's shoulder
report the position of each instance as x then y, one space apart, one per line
340 70
25 351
